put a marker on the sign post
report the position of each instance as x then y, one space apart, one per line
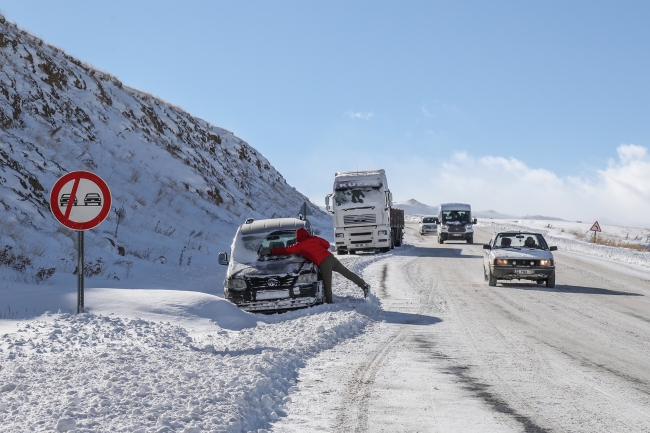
595 228
80 200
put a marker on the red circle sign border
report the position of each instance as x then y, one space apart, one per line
54 198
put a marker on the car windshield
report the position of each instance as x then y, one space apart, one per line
362 196
455 216
520 240
428 220
246 256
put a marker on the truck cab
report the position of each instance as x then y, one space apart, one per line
455 223
360 204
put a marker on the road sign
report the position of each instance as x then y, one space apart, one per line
80 200
595 227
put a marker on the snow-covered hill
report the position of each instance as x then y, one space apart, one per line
184 184
414 207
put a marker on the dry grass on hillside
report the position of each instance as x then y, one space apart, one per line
600 240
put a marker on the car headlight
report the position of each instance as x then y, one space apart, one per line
382 232
500 261
546 262
307 278
339 235
236 283
468 226
444 226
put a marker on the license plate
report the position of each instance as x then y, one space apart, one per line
271 294
524 271
360 245
456 234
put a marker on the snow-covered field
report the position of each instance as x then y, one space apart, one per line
142 360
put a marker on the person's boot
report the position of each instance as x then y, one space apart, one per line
366 290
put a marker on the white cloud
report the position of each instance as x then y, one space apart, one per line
619 193
359 115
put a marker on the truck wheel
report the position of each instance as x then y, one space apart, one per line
492 280
470 240
341 252
398 238
550 282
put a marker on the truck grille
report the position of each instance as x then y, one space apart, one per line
263 282
456 229
360 219
361 234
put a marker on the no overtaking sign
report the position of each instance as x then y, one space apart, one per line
80 200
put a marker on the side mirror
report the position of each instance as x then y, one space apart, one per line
474 221
553 248
223 259
487 247
436 220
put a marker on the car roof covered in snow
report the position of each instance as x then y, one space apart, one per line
263 226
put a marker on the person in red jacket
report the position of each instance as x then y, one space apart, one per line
316 250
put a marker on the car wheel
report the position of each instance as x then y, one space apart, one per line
470 240
492 280
440 240
550 282
485 277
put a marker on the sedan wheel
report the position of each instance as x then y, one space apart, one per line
492 280
550 282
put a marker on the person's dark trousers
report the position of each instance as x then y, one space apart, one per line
330 264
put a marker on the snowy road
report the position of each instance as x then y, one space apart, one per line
456 355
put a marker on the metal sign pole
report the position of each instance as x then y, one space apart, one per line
80 272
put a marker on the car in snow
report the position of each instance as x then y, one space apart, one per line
428 224
270 283
519 256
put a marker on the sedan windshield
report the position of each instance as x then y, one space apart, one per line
520 240
363 196
428 221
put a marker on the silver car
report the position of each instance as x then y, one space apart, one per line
428 224
519 256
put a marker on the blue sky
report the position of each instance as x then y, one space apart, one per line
430 91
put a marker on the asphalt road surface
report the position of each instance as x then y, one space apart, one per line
452 354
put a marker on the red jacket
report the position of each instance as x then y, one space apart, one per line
312 248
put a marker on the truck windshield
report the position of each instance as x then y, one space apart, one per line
455 216
369 196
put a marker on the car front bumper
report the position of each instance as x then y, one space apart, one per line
529 273
298 296
446 236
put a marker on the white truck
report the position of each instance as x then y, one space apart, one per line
363 217
455 223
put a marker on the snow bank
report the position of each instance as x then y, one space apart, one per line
623 255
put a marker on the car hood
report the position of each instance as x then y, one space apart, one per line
277 265
512 253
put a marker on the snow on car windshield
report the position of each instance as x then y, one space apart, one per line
455 216
245 253
520 240
370 196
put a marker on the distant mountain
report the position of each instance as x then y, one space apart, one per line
414 207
